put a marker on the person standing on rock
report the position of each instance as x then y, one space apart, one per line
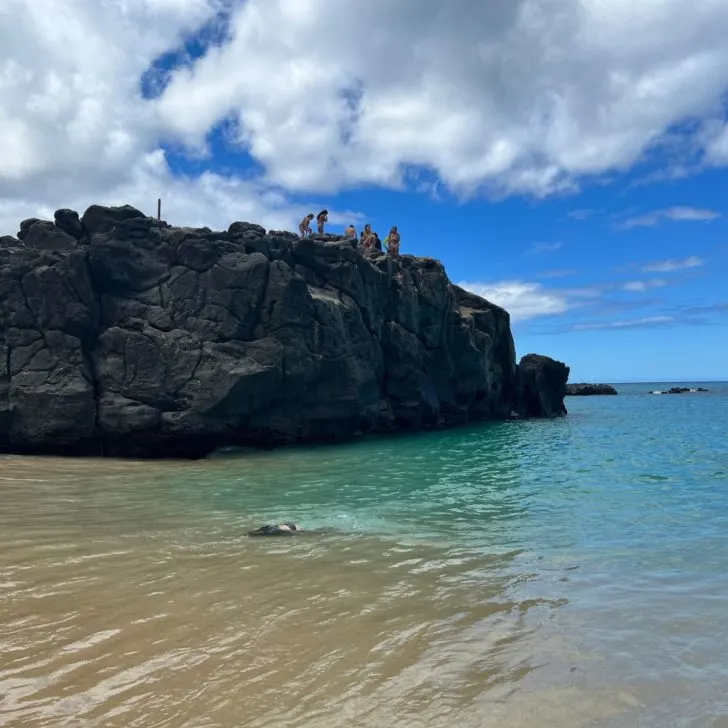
392 242
305 226
322 218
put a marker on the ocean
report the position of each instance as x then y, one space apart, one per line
565 573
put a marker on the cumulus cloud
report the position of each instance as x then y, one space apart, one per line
211 200
510 96
523 95
670 265
71 114
75 128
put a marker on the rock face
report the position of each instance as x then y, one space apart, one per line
121 335
585 390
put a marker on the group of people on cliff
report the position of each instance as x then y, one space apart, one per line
366 241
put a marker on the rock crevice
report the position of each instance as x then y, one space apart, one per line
121 335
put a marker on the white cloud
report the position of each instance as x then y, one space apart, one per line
75 130
644 285
677 214
210 200
715 139
691 213
521 299
667 266
626 324
524 95
558 273
515 95
583 214
545 247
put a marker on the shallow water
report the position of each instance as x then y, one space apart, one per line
550 573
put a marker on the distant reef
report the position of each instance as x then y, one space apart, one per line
585 390
123 336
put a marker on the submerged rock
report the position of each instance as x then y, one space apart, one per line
121 335
281 529
585 390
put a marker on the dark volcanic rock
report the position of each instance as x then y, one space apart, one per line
68 221
43 235
25 225
584 390
123 336
542 386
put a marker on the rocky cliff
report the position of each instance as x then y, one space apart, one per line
120 335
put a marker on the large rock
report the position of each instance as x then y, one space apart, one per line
542 386
122 335
586 390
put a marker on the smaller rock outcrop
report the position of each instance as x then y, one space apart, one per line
679 390
541 386
586 390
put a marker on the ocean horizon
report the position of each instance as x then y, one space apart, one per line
568 572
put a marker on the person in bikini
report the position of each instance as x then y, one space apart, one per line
305 226
322 218
392 242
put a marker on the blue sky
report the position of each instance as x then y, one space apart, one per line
567 164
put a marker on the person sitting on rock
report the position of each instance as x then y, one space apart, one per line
392 242
322 218
305 226
370 244
350 232
365 233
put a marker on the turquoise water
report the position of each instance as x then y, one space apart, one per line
597 542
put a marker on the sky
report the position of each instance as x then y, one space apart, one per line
567 159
